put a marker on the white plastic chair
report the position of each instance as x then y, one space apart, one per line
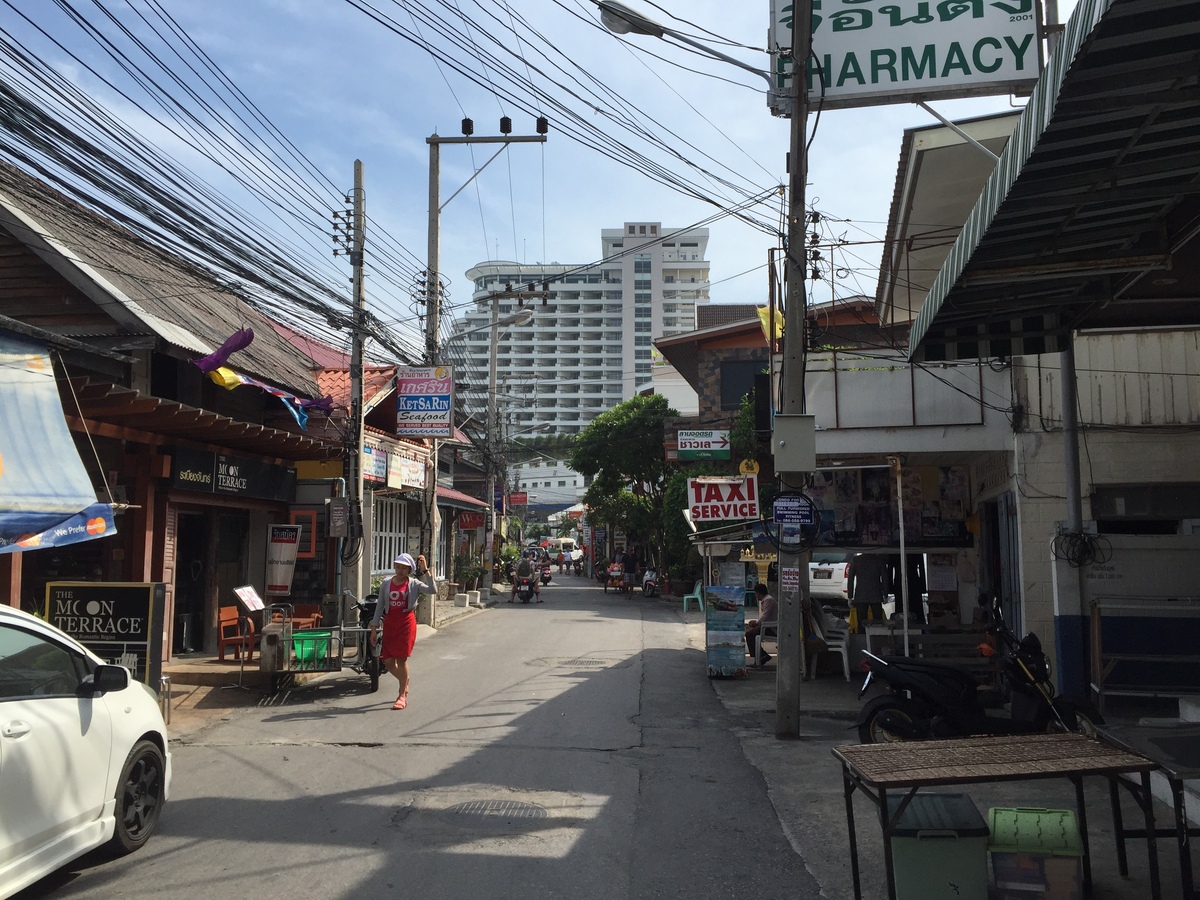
835 633
768 632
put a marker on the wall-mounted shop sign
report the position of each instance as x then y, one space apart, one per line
120 622
374 464
425 402
871 52
404 472
717 498
695 445
230 476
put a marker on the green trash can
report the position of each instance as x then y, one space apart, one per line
939 848
1037 854
311 649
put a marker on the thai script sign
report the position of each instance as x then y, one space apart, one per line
374 464
120 622
871 52
215 473
695 445
425 402
713 499
404 472
282 543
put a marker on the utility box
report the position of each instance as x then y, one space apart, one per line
1036 854
794 442
939 848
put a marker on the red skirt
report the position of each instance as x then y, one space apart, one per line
399 635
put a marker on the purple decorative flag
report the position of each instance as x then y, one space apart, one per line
239 340
322 404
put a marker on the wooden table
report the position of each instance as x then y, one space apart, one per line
1176 751
876 769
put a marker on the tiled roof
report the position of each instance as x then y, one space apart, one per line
335 383
146 290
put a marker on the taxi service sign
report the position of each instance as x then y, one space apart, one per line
717 499
695 445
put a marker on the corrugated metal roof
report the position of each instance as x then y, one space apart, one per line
145 289
1091 217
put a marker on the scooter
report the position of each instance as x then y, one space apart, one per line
930 699
525 589
577 565
545 576
366 659
650 582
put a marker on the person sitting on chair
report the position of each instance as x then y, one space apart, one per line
769 613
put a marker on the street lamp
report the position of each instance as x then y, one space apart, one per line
791 662
620 19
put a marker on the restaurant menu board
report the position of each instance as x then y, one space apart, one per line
725 630
122 623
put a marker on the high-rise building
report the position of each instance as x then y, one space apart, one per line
589 344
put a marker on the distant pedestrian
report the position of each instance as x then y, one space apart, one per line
395 611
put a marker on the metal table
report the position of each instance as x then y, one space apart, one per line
1175 749
876 769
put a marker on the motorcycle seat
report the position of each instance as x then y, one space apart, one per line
935 667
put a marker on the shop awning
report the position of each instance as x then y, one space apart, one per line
1090 218
46 496
457 499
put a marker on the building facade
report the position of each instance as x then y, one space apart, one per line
590 343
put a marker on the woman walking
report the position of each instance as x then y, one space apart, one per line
395 611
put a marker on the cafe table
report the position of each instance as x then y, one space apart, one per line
909 766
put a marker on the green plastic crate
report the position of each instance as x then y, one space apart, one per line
939 848
1036 854
311 648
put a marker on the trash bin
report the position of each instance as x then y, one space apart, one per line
939 848
1036 854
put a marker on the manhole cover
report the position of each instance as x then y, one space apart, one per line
571 662
496 813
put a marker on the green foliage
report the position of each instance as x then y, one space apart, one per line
743 441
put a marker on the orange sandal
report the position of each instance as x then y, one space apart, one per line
400 703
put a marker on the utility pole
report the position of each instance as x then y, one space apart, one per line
433 306
791 663
353 467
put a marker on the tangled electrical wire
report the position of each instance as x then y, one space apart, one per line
1080 549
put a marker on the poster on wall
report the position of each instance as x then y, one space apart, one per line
725 630
120 622
858 507
283 541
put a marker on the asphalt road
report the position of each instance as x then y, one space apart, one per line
568 749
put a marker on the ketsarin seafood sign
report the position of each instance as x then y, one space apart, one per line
872 52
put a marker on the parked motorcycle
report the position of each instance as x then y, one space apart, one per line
930 699
650 582
525 589
366 660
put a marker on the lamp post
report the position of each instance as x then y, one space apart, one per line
621 19
520 317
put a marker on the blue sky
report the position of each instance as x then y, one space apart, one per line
342 86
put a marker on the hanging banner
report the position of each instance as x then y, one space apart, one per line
282 543
873 52
425 402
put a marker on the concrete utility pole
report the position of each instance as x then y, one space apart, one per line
791 662
433 303
353 468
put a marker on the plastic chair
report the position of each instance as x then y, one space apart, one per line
768 632
835 633
696 594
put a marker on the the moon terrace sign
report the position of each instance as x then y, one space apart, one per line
696 445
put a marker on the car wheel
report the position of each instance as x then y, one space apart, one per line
139 797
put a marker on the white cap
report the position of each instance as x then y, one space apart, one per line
405 560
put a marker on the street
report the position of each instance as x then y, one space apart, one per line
569 749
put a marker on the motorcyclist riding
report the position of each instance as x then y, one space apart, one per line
525 569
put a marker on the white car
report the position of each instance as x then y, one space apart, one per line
84 759
827 575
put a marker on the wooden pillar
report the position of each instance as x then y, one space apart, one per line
10 578
150 466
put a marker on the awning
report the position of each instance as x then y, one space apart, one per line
457 499
1091 218
46 496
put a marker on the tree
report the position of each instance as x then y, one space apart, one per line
621 450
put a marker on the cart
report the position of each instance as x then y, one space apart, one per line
615 578
286 651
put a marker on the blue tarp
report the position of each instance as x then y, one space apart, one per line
46 496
